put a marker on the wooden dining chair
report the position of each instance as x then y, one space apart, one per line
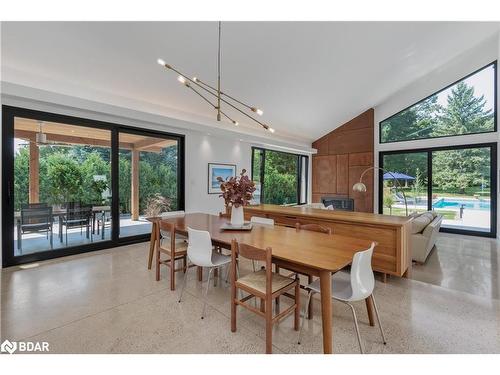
175 249
313 228
264 285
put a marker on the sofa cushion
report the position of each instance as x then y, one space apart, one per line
419 223
428 215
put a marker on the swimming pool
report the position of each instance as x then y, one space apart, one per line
482 205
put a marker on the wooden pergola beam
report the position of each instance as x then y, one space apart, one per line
62 138
134 185
147 142
34 174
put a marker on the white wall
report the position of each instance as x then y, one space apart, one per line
454 70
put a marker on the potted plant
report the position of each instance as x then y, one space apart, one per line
156 204
237 193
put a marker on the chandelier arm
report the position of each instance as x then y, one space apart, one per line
211 104
224 94
246 114
204 98
190 80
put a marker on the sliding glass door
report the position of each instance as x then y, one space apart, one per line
405 173
72 185
148 179
461 188
459 182
62 185
280 177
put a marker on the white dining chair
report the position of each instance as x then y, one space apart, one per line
260 220
200 253
347 288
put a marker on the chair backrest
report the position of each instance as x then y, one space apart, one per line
252 253
261 220
36 215
314 228
166 230
199 247
78 212
362 279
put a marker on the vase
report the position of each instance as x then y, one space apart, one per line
237 215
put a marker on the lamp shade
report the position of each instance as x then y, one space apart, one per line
360 187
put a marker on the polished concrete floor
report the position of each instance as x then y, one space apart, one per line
108 302
463 263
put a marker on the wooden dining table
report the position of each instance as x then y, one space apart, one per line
313 253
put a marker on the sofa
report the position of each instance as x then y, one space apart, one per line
425 229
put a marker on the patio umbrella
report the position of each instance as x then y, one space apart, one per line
397 175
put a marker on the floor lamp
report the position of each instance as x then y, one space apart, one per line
361 187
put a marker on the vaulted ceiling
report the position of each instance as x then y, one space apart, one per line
308 77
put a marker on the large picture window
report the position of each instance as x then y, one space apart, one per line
280 177
465 107
72 185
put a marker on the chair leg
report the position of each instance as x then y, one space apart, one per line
158 265
277 299
184 264
357 327
172 273
296 321
184 283
228 267
310 303
378 319
206 293
309 295
269 325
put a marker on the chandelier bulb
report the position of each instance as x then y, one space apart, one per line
161 62
181 79
260 112
195 79
271 130
236 123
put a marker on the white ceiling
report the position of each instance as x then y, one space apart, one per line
308 77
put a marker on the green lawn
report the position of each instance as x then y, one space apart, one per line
447 214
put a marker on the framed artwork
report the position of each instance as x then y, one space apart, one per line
219 170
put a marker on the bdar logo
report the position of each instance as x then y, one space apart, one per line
8 347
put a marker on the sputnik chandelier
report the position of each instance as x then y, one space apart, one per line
200 87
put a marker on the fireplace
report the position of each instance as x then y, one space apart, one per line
342 204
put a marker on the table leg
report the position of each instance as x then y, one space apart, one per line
152 245
369 309
325 281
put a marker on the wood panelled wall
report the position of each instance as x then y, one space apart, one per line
342 156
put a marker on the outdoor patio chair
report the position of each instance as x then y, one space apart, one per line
77 216
35 220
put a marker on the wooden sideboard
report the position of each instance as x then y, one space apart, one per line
392 255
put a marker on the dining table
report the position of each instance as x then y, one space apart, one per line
307 252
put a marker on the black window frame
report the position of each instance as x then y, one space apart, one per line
300 157
429 150
9 113
494 64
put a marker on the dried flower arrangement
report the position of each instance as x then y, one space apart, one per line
237 191
157 204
